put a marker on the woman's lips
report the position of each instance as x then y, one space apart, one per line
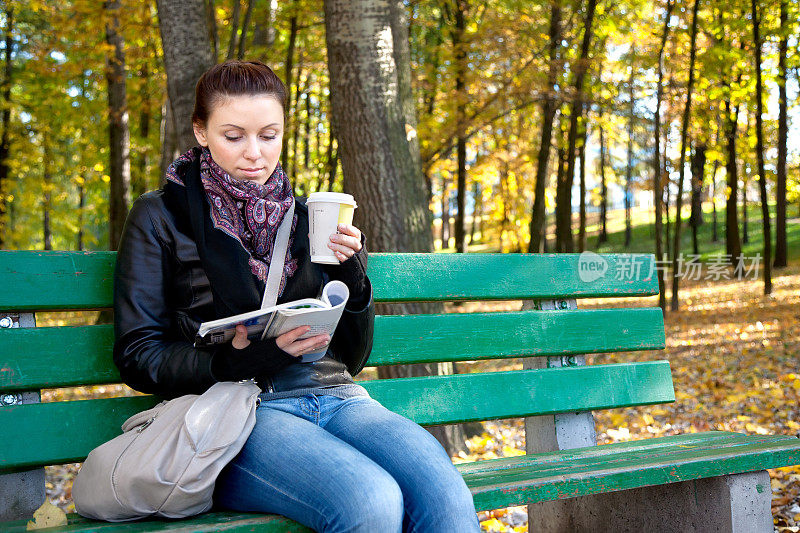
252 170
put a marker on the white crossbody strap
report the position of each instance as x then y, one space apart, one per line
278 259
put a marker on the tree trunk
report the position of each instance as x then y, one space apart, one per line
248 14
698 165
119 135
714 232
288 80
169 140
538 227
264 31
306 163
237 6
476 210
461 101
745 233
582 200
81 208
141 183
781 251
676 237
291 166
187 54
377 159
733 243
445 229
211 22
629 166
762 177
603 237
564 241
5 137
47 185
658 174
402 60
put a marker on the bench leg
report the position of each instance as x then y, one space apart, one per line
21 493
738 503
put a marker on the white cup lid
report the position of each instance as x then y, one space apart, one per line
336 197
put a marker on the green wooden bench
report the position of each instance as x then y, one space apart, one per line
703 481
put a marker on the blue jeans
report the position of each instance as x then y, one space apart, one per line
350 464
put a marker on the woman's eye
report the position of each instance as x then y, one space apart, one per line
268 137
232 138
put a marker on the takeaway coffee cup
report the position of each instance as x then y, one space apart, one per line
325 211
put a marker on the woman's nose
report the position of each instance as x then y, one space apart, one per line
251 150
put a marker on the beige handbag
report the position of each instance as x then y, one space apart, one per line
168 458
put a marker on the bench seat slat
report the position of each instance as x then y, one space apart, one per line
84 280
427 400
398 339
219 521
581 472
497 483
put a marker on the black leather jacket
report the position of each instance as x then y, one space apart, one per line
162 294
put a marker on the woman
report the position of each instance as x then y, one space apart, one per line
322 452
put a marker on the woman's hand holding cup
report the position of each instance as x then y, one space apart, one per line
346 243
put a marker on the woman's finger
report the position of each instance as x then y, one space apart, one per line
240 341
291 336
349 229
341 248
303 346
340 242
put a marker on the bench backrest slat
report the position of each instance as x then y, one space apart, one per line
427 400
79 355
396 277
84 280
37 281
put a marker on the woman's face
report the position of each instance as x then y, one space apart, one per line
244 135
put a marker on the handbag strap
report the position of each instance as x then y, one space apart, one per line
277 260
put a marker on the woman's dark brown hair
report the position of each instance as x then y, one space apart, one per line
234 78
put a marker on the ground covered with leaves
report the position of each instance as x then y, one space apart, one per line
734 358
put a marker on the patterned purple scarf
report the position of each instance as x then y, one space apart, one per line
245 210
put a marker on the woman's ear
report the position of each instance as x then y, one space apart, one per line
200 134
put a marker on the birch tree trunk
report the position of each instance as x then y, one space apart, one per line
119 134
187 54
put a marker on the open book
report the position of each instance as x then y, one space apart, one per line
321 314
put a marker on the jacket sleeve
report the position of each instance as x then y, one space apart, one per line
151 355
352 341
